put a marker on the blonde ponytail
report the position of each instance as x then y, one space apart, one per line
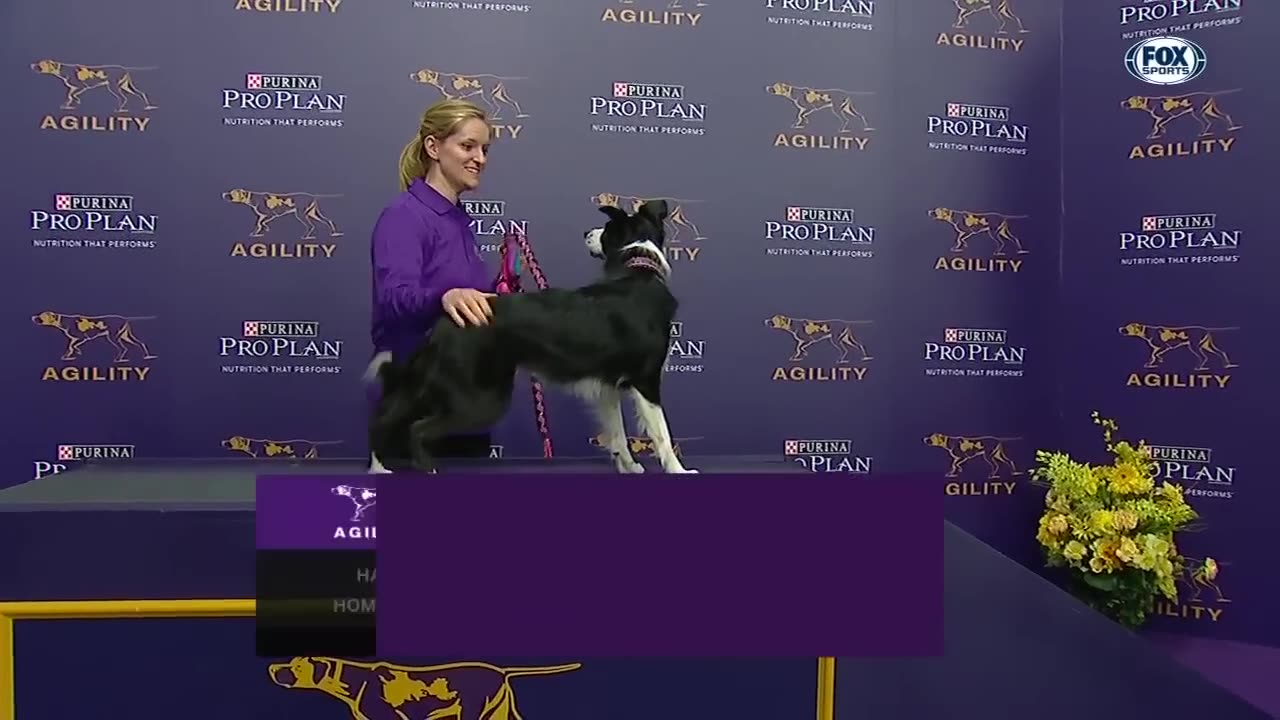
413 162
439 121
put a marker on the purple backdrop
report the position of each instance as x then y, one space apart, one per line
1165 253
827 163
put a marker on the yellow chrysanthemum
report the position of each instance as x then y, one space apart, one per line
1058 525
1089 484
1104 554
1046 538
1127 479
1128 552
1074 550
1125 519
1101 522
1152 549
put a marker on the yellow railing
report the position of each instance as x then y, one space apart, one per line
826 688
108 609
97 610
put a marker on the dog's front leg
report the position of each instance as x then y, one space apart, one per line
653 422
607 405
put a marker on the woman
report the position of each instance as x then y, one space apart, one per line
426 262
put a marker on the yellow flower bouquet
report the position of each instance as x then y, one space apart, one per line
1112 527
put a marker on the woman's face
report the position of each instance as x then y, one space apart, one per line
462 156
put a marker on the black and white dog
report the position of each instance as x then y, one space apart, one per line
602 341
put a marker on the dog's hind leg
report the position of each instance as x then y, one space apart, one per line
470 409
422 435
653 422
606 403
387 434
375 465
380 448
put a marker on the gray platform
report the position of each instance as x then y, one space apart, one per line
195 484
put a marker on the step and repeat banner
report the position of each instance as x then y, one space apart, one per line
1167 291
865 225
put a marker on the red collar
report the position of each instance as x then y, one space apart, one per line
640 261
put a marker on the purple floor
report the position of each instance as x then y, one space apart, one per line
1252 672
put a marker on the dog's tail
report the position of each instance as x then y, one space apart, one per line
380 367
513 672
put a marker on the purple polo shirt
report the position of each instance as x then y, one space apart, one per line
422 247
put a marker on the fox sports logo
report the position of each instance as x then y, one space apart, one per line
1165 60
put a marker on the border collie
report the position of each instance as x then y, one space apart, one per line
601 341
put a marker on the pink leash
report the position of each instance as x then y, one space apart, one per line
509 282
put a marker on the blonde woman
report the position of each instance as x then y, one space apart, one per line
426 262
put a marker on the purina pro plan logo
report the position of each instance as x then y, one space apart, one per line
1165 60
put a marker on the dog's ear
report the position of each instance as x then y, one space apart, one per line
613 212
655 210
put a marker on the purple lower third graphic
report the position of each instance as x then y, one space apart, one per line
296 512
579 565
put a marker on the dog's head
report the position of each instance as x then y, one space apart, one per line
1136 102
238 443
47 67
47 319
237 195
642 234
308 673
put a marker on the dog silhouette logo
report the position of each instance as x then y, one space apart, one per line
118 80
677 222
289 449
643 445
968 224
268 207
489 91
807 333
362 497
808 100
1000 10
963 448
1198 340
1203 107
117 330
369 690
1199 575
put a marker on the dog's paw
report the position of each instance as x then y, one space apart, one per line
378 471
684 471
628 467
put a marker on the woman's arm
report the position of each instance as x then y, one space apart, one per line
399 240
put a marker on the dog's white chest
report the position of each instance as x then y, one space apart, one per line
589 390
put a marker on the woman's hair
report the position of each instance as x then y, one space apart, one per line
440 121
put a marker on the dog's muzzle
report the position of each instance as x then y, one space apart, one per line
594 246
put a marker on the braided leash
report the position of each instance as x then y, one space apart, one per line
509 282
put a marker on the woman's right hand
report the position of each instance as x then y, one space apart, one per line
465 305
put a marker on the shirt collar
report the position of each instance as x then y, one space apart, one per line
432 198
